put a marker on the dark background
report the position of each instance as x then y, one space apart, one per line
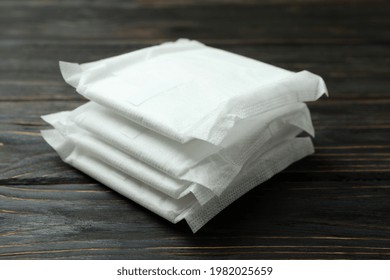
334 204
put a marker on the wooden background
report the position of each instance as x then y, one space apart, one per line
332 205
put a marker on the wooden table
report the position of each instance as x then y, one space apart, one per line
332 205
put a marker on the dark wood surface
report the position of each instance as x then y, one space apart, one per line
334 204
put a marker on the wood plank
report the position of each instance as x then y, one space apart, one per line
357 23
332 220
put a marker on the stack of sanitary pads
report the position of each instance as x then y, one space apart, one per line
184 129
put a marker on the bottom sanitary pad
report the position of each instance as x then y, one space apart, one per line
259 168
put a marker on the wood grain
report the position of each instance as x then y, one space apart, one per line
331 205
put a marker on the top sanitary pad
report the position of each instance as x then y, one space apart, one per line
214 89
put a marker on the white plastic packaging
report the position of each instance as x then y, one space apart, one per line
199 162
214 89
184 129
259 168
156 179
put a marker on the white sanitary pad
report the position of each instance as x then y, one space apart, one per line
184 129
259 169
214 89
145 173
193 160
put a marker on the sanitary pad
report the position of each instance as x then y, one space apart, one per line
184 129
185 90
